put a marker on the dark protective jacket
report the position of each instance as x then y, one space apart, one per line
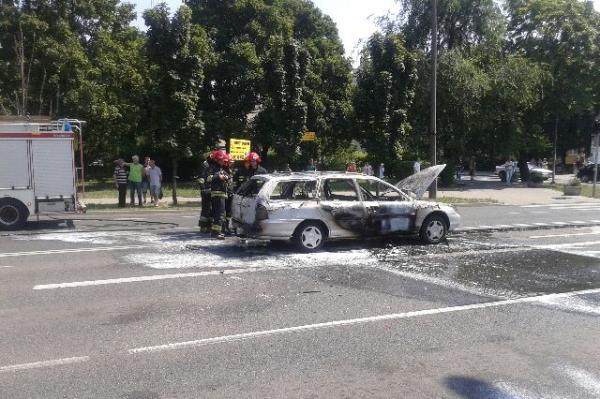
208 170
242 175
219 182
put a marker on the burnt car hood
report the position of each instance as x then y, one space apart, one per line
420 182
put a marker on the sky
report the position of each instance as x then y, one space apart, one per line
355 19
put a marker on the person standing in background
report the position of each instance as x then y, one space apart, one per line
136 172
368 169
311 167
120 177
145 180
381 170
417 166
154 176
472 167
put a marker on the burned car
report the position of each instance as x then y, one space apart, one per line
311 208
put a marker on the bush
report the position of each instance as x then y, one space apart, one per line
448 175
536 177
574 182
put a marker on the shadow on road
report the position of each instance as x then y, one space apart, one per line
472 388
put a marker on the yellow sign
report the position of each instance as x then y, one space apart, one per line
309 136
238 148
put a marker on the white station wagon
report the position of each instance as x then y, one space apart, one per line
311 208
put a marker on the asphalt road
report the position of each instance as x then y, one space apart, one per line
131 309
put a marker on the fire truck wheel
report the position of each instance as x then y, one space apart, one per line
13 214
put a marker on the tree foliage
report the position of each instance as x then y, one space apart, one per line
385 89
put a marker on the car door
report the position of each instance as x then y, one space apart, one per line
246 200
342 206
389 211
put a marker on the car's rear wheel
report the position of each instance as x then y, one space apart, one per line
13 214
310 236
434 229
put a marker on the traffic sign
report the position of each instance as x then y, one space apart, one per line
239 148
309 136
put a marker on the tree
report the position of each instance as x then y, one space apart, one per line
385 89
561 37
279 69
461 23
175 51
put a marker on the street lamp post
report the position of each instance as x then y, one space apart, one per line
433 128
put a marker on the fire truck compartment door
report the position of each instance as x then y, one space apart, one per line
53 168
14 164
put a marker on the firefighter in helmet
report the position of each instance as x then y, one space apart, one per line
228 168
209 167
251 167
218 193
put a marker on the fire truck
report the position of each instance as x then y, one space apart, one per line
37 170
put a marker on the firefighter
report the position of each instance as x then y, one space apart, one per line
228 167
251 167
218 194
209 167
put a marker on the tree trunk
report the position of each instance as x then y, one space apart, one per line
174 177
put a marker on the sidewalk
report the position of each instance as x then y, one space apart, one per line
488 186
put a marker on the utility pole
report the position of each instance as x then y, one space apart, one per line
433 127
555 143
595 145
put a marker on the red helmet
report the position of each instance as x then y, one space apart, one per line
219 155
252 157
229 159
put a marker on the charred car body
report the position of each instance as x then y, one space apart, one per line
311 208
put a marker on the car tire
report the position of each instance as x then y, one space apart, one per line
434 229
13 214
502 176
310 236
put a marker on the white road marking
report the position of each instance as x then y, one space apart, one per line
485 227
157 277
504 226
46 363
540 224
591 233
351 322
583 208
585 379
566 206
578 222
71 250
569 245
5 267
559 223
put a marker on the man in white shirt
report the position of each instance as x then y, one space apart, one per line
155 178
417 166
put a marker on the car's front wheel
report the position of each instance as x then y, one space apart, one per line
434 229
310 236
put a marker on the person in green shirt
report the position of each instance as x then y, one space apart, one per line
311 167
136 172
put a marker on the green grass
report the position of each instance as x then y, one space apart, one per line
105 188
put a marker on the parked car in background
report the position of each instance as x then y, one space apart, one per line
533 169
586 173
311 209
